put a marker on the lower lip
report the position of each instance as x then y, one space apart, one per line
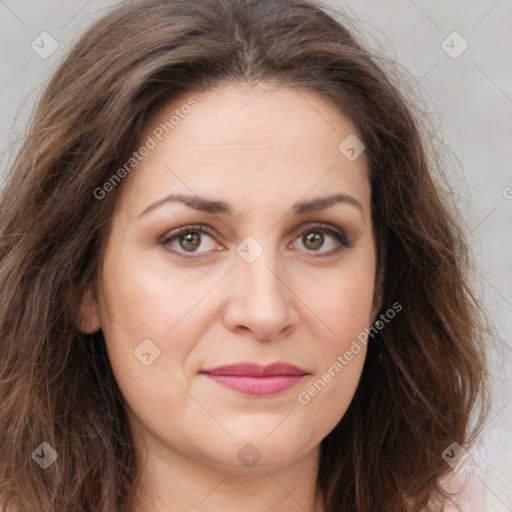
257 386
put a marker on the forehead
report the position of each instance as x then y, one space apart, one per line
267 140
252 116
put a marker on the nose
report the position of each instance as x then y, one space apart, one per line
261 300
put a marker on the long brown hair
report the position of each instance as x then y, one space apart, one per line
56 385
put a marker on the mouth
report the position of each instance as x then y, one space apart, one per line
256 380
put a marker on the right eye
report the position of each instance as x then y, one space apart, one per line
187 239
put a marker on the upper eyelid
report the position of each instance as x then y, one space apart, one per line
214 233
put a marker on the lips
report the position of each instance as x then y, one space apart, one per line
256 370
257 380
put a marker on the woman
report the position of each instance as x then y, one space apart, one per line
231 275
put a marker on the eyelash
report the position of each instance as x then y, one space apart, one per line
318 227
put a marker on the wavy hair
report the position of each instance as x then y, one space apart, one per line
56 385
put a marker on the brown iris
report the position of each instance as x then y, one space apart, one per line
192 239
315 239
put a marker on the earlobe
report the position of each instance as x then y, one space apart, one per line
88 319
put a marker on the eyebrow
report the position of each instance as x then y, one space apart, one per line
204 204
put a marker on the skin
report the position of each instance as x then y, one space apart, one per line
261 149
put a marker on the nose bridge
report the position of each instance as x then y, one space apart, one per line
259 269
261 300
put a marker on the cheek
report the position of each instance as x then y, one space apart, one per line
341 310
327 395
341 352
343 298
151 307
142 310
149 298
148 336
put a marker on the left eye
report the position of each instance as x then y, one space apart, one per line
313 238
189 239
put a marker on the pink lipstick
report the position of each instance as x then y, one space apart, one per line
254 379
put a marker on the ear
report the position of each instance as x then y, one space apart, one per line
88 318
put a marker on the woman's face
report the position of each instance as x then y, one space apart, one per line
260 274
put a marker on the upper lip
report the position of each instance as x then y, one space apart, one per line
256 370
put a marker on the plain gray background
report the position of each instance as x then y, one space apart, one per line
469 97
